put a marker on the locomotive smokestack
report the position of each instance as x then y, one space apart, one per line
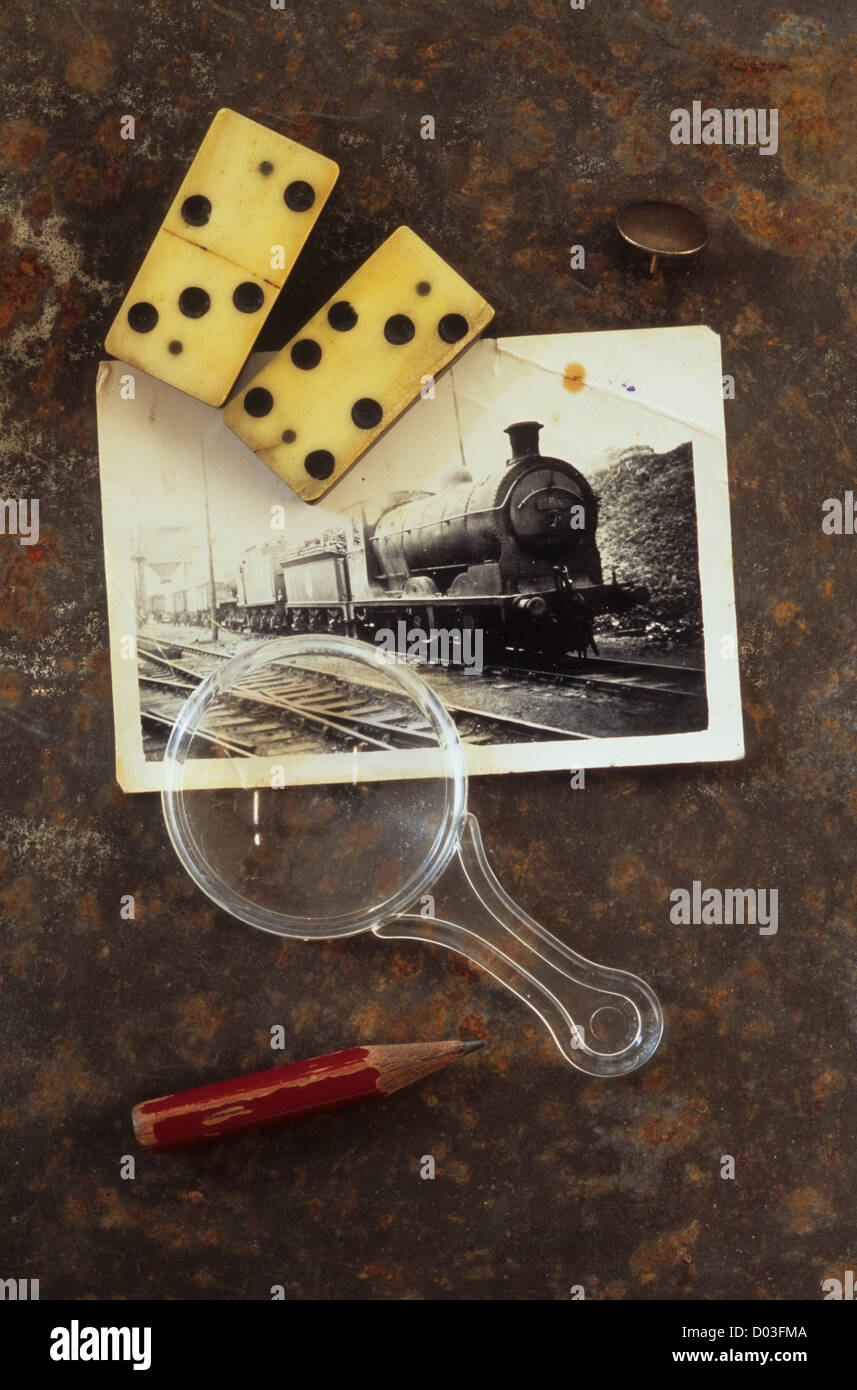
524 438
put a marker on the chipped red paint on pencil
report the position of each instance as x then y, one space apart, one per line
297 1090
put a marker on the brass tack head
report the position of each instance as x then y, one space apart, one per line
661 229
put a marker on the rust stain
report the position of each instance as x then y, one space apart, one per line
72 309
62 1082
695 1176
759 711
24 280
87 178
528 49
616 1290
673 1130
371 1021
749 64
594 1095
91 65
628 874
795 226
621 99
825 1083
10 687
574 377
203 1015
814 899
390 1280
461 967
21 143
39 207
809 1209
784 611
719 998
655 1079
472 1028
404 968
754 969
24 597
759 1028
673 1248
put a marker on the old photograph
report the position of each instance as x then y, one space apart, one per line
544 537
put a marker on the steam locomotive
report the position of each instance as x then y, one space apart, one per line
512 553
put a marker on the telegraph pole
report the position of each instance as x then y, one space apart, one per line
212 587
140 597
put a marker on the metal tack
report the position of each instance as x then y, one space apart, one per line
661 229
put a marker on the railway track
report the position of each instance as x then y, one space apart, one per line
295 709
628 678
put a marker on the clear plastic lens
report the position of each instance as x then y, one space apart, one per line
315 860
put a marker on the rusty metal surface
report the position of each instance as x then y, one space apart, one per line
548 119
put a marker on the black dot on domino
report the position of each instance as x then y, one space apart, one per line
175 347
266 167
320 464
288 436
258 402
423 288
248 297
342 316
142 317
299 196
366 413
194 302
196 210
452 327
306 354
399 329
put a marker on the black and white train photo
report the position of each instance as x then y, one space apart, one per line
546 584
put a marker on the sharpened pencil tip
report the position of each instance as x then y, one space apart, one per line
400 1064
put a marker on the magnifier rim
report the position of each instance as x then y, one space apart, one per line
200 868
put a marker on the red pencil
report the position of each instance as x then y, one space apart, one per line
273 1097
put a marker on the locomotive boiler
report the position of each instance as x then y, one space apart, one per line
512 552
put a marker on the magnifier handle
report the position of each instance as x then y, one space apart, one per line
605 1022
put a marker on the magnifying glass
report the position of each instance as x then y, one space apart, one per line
386 844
